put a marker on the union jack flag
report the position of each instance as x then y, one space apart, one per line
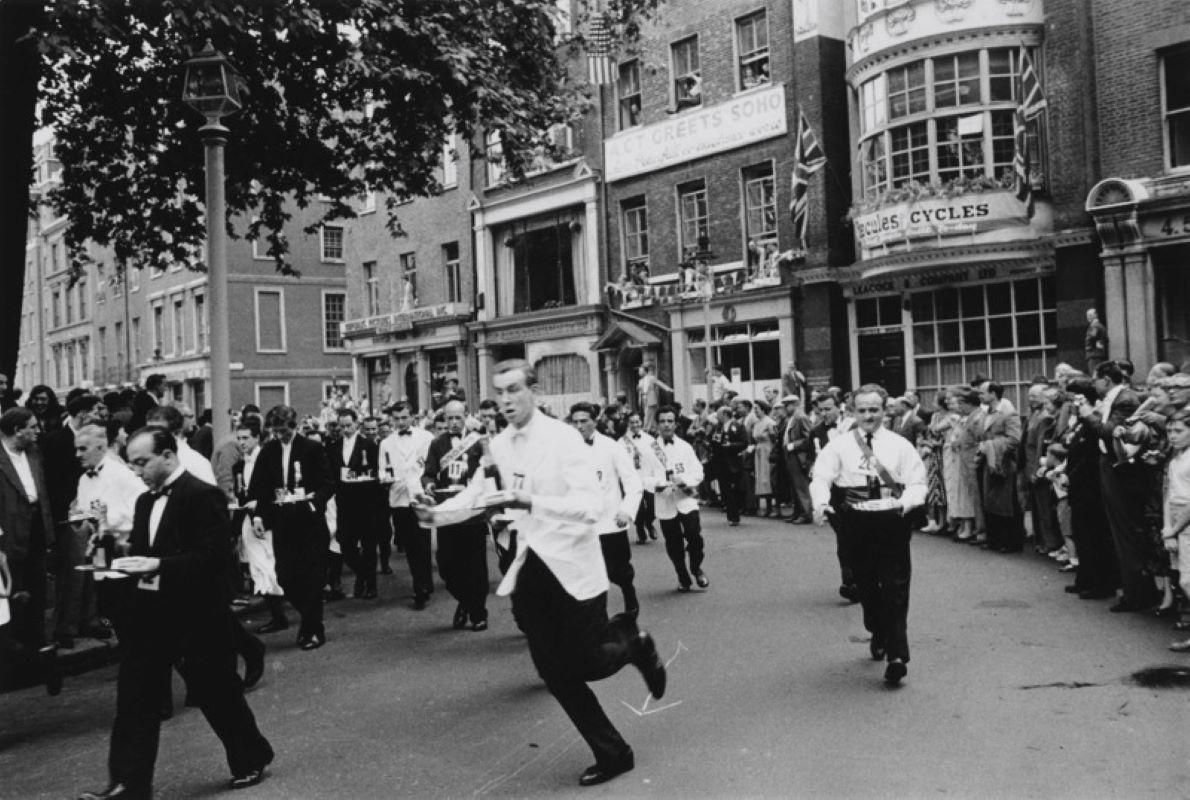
1030 103
808 158
599 45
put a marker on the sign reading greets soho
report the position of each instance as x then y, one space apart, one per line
745 119
938 216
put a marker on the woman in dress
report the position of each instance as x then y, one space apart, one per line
931 446
958 463
762 448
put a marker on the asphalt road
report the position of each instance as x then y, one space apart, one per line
1015 690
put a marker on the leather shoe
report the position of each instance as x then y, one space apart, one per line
419 602
254 663
877 650
116 790
894 672
601 773
51 669
272 626
645 659
479 625
314 641
849 592
1180 647
701 580
1072 589
460 619
249 778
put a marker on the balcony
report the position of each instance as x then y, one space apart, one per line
404 320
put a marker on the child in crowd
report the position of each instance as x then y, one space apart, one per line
1053 469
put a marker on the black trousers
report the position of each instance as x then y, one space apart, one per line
800 485
359 532
730 491
1097 568
879 548
300 542
463 565
617 556
645 516
572 642
212 684
1004 532
683 539
843 548
1124 501
417 550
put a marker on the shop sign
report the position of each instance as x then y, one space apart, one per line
925 280
751 117
404 320
1174 225
938 216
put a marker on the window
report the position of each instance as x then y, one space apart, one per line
450 163
543 269
101 281
57 355
561 142
332 242
84 351
334 312
494 150
454 277
371 290
907 90
628 90
84 307
687 77
120 351
1176 107
269 395
367 202
1002 73
101 344
133 278
408 297
1004 144
692 216
635 214
56 306
444 364
68 305
201 323
270 321
956 80
1005 330
910 154
135 340
760 205
873 102
68 358
960 147
752 348
875 166
179 327
752 41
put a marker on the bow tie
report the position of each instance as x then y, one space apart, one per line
667 441
590 442
636 436
94 471
405 433
164 492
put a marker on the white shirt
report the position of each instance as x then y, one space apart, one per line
648 467
348 443
549 460
842 463
681 460
618 481
406 454
249 466
117 487
158 509
194 463
286 449
21 462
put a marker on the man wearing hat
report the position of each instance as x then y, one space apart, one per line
797 430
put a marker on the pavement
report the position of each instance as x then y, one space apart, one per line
1015 690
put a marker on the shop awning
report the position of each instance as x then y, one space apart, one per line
623 333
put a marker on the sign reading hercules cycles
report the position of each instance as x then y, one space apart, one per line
939 216
745 119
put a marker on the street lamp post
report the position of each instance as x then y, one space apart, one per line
212 88
703 258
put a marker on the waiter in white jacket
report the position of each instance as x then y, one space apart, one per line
558 581
402 462
622 490
677 508
870 479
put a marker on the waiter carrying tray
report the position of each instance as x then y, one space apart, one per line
870 481
558 581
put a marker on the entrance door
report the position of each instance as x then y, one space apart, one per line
412 385
630 360
882 360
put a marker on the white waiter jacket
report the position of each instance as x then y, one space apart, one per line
681 460
406 453
618 481
842 463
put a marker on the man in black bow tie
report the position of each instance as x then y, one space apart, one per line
179 612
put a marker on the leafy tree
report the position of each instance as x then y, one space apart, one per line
110 85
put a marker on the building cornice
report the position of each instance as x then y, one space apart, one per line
1008 34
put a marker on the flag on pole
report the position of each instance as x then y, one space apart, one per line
599 44
1030 103
808 158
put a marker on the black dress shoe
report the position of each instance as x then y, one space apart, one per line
419 601
645 658
460 619
480 625
51 670
272 626
1073 589
849 592
683 587
254 663
601 773
701 580
894 672
116 790
250 778
314 641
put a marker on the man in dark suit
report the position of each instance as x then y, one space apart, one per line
179 613
794 459
728 442
353 460
829 427
905 421
1039 429
146 400
25 527
294 469
1123 487
462 547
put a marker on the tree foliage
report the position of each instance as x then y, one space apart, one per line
132 163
